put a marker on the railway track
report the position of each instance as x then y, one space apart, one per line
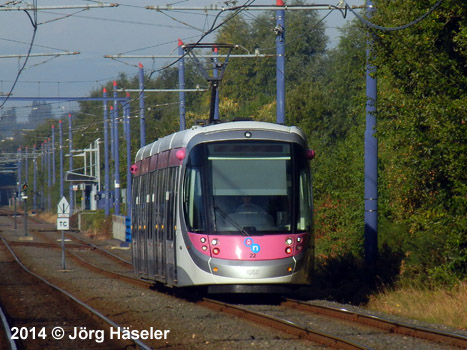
6 343
37 316
283 325
287 326
300 332
272 322
445 338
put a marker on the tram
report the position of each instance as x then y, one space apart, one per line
225 206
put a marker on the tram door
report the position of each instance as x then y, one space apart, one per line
139 215
159 251
150 227
135 222
170 222
143 228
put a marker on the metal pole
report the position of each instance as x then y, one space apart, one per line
61 157
128 157
181 86
43 165
18 189
53 154
142 121
371 157
26 165
117 154
49 180
25 207
19 172
63 251
34 188
14 213
215 75
280 62
112 156
111 130
25 213
98 164
106 158
70 146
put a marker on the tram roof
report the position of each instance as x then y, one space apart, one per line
181 138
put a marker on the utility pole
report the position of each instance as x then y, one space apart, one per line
117 153
128 156
49 179
34 187
70 146
215 75
279 30
61 156
53 155
371 155
181 86
142 121
106 158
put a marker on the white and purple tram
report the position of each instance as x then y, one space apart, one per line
226 206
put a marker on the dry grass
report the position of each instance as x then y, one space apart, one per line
447 307
49 217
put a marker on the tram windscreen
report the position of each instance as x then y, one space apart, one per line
251 184
246 188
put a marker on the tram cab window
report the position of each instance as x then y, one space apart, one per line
251 186
255 187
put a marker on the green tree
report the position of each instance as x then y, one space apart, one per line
422 104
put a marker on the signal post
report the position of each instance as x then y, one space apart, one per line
63 223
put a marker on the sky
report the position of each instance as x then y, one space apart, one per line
128 29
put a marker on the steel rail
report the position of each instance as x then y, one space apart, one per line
47 245
132 280
115 275
99 249
381 323
282 325
96 315
7 330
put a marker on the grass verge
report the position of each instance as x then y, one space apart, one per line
440 306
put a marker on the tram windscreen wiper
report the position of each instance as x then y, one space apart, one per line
232 221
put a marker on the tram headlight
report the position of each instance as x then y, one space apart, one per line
289 241
202 239
204 248
214 241
299 239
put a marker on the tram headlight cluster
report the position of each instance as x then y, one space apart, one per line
214 242
290 241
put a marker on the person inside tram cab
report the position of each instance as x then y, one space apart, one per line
248 207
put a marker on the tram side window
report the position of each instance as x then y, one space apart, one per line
193 201
304 215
